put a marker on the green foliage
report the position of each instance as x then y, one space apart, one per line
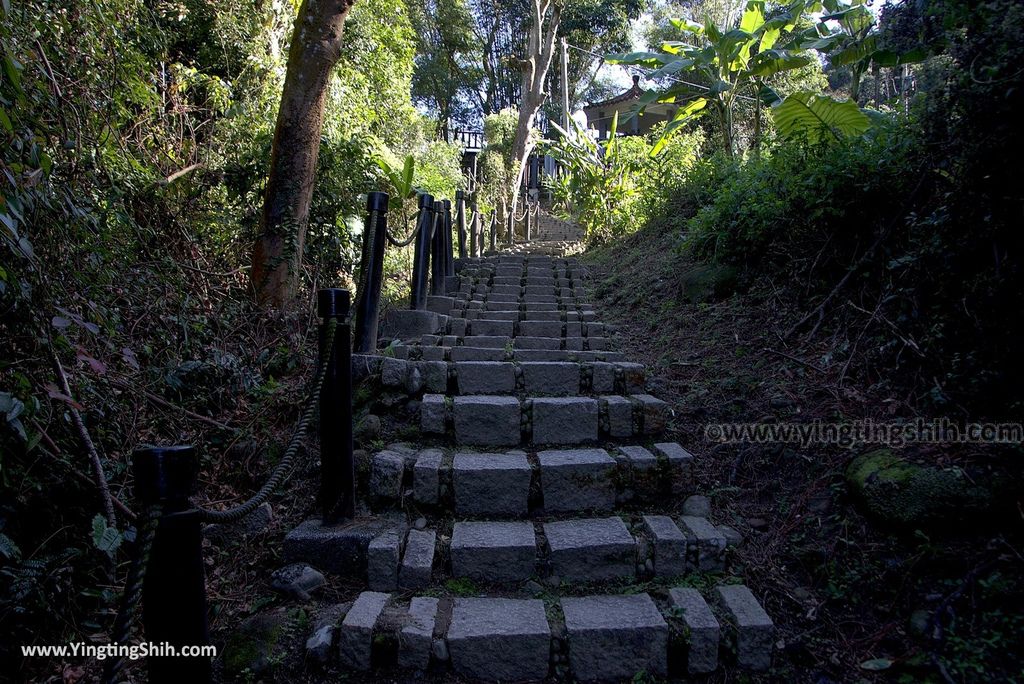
613 186
495 161
731 61
818 118
134 146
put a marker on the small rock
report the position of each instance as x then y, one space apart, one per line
757 523
440 649
319 645
649 566
732 537
781 402
697 506
369 427
552 581
297 581
803 595
533 588
414 380
919 621
413 407
420 524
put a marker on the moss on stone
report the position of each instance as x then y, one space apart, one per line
256 645
906 494
707 283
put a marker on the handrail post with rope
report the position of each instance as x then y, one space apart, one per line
529 215
460 221
337 468
174 592
475 229
449 254
437 250
372 267
421 255
494 230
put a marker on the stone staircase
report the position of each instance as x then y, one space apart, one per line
550 227
542 528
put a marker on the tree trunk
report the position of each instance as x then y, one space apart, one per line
540 49
315 49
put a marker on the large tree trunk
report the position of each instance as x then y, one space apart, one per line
540 48
315 49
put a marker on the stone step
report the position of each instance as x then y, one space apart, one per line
557 551
517 483
510 324
588 638
536 378
371 364
494 420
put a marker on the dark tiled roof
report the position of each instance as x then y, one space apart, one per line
631 94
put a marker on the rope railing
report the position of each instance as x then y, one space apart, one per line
166 574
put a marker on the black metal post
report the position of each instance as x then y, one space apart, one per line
478 243
174 592
460 221
437 250
337 470
371 271
449 252
529 217
494 230
510 219
421 255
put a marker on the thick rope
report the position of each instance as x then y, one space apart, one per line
277 476
132 595
407 241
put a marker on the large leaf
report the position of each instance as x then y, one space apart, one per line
753 16
819 117
649 59
682 117
684 24
771 62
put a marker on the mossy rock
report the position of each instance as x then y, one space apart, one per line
908 495
257 645
707 283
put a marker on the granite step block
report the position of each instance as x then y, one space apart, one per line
355 636
477 354
702 631
559 379
669 545
491 327
418 560
416 636
541 328
749 625
499 639
591 549
615 638
487 420
491 484
426 477
564 420
485 377
574 480
494 551
706 543
527 342
487 341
